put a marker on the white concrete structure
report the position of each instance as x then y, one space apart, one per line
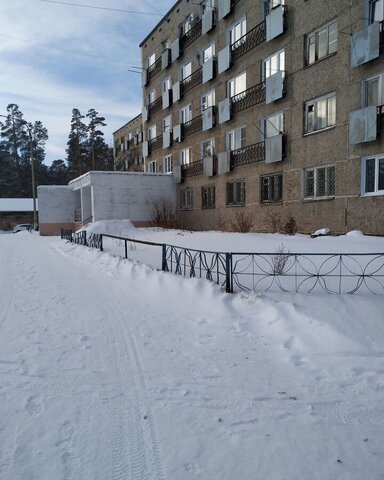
103 196
16 205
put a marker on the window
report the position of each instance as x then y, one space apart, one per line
207 100
236 138
207 4
185 114
321 43
167 164
186 71
186 199
208 196
151 60
269 5
372 91
273 125
166 85
151 132
167 123
272 188
188 23
319 182
238 30
207 148
185 156
236 192
376 11
372 176
151 96
274 63
152 166
208 53
237 85
165 44
320 113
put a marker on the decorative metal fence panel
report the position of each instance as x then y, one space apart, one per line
338 273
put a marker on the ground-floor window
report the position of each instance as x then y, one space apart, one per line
152 166
236 192
208 196
167 164
319 182
186 199
372 176
272 188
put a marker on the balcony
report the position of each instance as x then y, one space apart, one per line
366 124
154 69
155 143
250 40
367 44
192 169
246 155
189 37
191 82
193 126
155 106
248 98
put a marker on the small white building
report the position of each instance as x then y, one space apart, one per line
102 196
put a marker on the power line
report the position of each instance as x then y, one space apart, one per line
73 52
102 8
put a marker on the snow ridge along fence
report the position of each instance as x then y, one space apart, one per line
256 272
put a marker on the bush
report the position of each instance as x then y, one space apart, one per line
163 213
280 260
291 226
273 221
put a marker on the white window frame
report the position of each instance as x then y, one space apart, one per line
152 132
185 156
151 96
235 85
313 106
166 123
274 63
315 170
151 59
152 166
186 199
237 30
366 81
207 53
207 100
236 138
380 10
207 148
377 160
312 40
166 84
273 124
185 114
186 69
167 164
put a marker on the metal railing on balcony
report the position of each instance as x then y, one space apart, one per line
155 143
155 106
381 38
246 155
248 41
193 34
250 97
192 81
193 126
192 169
154 69
380 118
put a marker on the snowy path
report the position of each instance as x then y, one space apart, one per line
109 371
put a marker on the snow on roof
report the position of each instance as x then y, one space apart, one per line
17 205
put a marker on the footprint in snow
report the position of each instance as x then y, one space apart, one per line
34 406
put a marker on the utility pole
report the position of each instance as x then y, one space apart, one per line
32 159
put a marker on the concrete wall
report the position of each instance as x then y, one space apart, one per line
56 208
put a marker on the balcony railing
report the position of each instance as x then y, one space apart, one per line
380 118
192 81
193 169
155 106
154 69
193 126
189 37
246 155
248 98
155 143
248 41
381 39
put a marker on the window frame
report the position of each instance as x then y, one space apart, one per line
275 178
167 164
327 179
183 68
186 199
183 156
280 54
203 50
232 84
316 34
376 192
231 201
182 114
240 21
380 96
243 138
315 102
152 166
164 126
210 94
267 123
208 197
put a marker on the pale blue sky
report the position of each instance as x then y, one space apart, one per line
57 57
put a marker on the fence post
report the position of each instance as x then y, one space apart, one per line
228 273
101 242
164 265
125 249
85 243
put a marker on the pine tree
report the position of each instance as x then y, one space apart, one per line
76 151
58 172
100 155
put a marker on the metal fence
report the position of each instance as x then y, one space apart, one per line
340 273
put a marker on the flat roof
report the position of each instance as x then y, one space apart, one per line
159 23
125 124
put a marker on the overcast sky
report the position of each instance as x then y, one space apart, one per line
55 57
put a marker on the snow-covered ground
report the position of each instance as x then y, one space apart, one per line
111 370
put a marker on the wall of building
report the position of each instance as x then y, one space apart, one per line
128 152
56 208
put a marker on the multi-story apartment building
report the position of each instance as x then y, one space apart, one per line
269 106
128 142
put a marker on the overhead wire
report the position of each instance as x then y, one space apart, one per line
135 12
